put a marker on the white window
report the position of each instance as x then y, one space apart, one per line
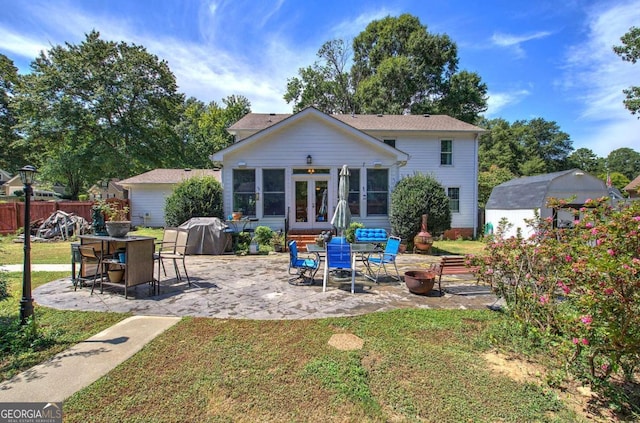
446 152
454 199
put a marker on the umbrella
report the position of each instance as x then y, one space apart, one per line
342 216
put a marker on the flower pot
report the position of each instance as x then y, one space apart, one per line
118 229
115 275
419 281
236 215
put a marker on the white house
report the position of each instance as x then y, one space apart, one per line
518 200
148 192
285 166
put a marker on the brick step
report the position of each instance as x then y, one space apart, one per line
302 240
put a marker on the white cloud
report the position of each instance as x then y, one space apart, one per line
498 101
514 41
597 76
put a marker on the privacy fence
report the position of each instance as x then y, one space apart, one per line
12 214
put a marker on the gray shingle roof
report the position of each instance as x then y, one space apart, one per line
169 176
528 192
444 123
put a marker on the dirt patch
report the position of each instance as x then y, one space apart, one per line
576 397
346 342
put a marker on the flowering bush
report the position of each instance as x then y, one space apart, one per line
581 284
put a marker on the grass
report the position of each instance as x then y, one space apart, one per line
416 365
55 330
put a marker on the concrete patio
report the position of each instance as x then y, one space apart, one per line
256 287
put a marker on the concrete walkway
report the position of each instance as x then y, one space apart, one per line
79 366
254 287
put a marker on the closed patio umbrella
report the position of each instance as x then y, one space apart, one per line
342 216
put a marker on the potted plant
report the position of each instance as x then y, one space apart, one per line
117 222
277 241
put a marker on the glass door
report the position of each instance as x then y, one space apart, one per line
311 203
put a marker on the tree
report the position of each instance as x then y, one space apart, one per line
195 197
98 110
203 128
398 67
414 196
326 84
629 51
624 160
585 159
499 147
489 179
12 157
544 142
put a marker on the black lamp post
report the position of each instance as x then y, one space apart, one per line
27 174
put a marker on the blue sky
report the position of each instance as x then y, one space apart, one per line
545 59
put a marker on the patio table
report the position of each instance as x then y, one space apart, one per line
358 252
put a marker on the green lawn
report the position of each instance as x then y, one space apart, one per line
415 365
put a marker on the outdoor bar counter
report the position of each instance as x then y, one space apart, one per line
138 263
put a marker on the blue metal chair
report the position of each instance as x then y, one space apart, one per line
387 257
338 257
304 268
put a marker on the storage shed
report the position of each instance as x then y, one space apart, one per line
518 199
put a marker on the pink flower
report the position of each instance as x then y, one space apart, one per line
611 252
636 218
568 258
594 231
605 367
589 225
544 299
608 291
586 319
585 341
575 341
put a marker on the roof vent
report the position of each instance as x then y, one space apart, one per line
426 115
379 114
272 114
186 169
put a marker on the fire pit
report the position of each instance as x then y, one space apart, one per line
419 281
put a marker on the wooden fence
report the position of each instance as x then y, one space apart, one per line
12 214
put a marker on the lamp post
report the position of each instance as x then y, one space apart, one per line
27 175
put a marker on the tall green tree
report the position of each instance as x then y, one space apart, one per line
489 179
203 128
99 109
585 159
624 160
544 142
327 84
398 67
12 157
629 51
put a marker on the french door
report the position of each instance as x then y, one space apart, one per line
311 203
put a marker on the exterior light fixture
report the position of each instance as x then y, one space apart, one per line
242 164
27 176
309 159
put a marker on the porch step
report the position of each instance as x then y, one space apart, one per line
302 240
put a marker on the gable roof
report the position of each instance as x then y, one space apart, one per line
279 121
633 185
426 122
169 176
530 192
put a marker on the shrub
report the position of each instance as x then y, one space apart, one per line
580 285
411 198
195 197
263 235
350 233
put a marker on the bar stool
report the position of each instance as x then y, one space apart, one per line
89 256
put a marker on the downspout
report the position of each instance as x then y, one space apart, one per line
475 185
